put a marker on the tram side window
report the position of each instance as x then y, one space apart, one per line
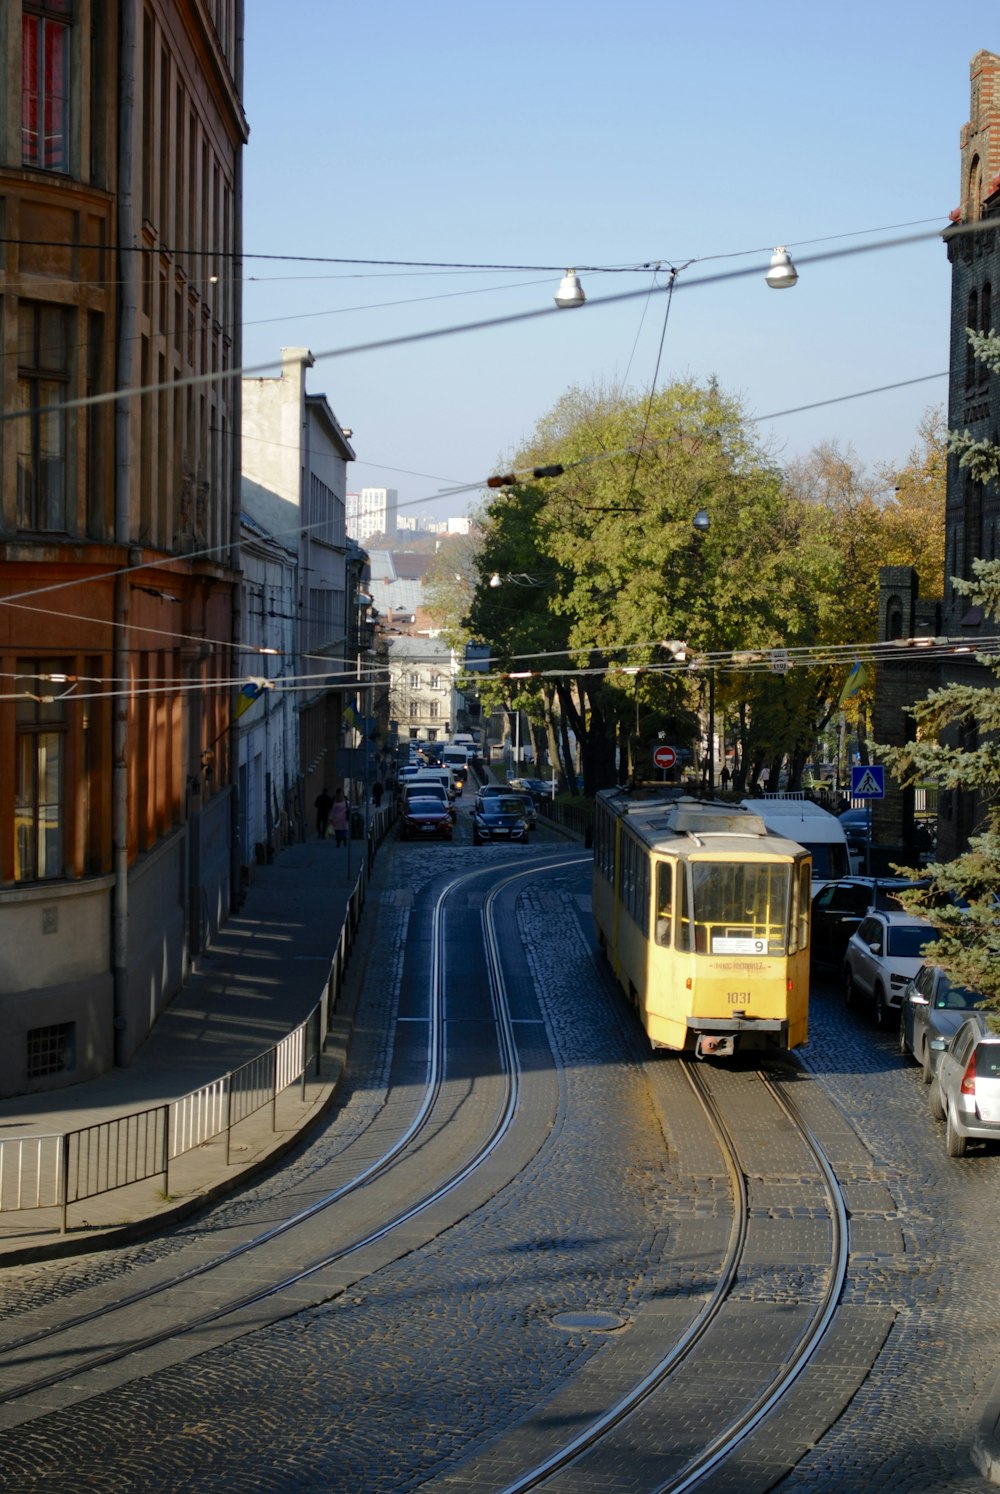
642 892
604 838
664 901
628 859
805 896
685 918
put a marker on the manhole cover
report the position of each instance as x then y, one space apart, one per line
597 1322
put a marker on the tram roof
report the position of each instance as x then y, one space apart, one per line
658 815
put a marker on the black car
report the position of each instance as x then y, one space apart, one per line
839 907
499 817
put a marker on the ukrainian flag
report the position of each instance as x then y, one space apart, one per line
859 677
351 717
251 690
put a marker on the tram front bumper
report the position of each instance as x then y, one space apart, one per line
720 1037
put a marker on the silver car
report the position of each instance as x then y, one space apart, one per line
965 1090
932 1011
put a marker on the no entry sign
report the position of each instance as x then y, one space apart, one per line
664 757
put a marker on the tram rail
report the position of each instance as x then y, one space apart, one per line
55 1341
662 1384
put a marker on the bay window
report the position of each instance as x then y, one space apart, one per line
42 387
45 75
39 774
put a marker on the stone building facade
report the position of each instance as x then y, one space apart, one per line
972 513
121 137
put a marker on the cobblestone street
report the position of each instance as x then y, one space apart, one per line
411 1376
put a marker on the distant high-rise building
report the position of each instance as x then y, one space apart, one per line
372 511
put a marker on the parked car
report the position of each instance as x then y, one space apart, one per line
528 809
933 1008
965 1089
499 817
426 819
838 908
855 823
883 955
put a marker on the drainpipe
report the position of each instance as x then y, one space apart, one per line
125 362
236 480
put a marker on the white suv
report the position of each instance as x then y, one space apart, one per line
883 955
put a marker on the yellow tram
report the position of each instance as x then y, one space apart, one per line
704 915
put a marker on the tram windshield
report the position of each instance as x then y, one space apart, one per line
735 907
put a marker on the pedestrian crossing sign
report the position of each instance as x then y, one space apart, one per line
868 781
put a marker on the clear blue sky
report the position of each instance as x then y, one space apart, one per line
553 135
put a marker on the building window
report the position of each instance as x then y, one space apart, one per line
972 324
435 682
414 682
51 1050
45 38
39 772
434 710
42 388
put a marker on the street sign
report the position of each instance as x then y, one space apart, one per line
779 660
867 781
664 757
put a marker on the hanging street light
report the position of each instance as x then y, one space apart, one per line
570 292
782 274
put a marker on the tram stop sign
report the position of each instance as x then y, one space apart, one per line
664 757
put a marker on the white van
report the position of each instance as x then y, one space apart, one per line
817 829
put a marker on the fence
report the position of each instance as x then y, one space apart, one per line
56 1171
575 815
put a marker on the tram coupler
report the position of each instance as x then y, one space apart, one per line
711 1046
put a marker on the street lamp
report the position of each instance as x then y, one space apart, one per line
570 292
782 274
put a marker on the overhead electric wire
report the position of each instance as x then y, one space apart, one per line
404 339
409 339
243 254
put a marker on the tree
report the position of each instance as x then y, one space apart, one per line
958 745
635 572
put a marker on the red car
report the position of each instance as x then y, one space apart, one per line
425 819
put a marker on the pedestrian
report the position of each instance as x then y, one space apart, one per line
724 777
323 806
338 817
376 793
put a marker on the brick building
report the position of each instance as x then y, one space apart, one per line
120 162
972 515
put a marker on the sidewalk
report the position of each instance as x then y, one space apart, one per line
262 976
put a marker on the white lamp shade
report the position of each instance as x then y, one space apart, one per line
782 273
570 292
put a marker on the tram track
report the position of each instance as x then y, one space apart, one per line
662 1396
25 1389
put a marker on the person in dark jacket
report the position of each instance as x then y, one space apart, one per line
324 804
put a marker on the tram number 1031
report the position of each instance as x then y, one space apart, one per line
738 998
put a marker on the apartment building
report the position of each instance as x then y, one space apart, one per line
372 512
120 183
295 456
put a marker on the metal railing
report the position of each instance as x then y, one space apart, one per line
56 1171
